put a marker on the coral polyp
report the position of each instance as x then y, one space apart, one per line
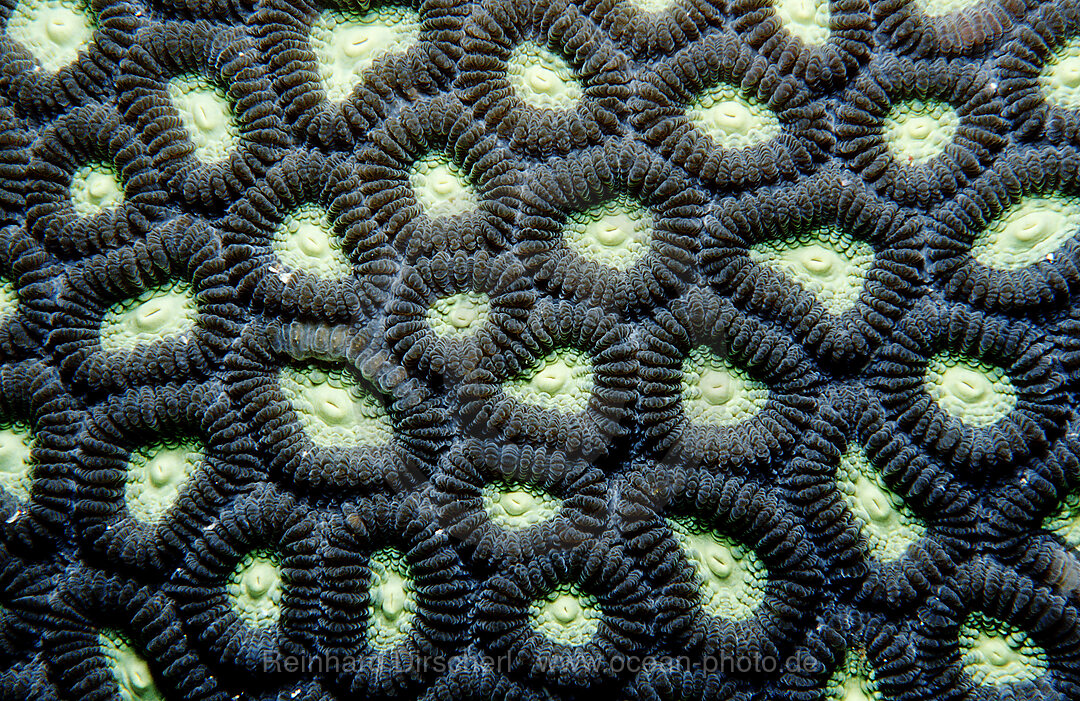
16 442
567 616
829 263
809 20
54 31
348 43
730 576
561 381
129 669
731 119
255 589
917 131
542 78
716 392
887 523
393 602
994 653
977 393
334 410
1060 77
156 476
165 312
207 116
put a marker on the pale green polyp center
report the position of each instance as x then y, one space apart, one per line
16 441
347 43
731 577
1060 77
94 188
567 616
615 234
1065 523
995 653
514 506
733 119
255 589
806 19
460 314
9 300
163 312
207 115
541 78
306 241
938 8
155 477
54 31
334 410
1030 231
716 392
654 7
441 187
829 263
129 669
918 130
890 527
392 598
853 681
561 381
974 392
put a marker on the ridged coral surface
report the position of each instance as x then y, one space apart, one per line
542 350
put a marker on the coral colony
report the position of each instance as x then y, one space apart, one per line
540 350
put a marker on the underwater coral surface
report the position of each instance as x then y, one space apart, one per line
643 350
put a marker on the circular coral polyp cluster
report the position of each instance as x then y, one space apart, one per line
305 240
156 476
716 392
562 381
977 393
995 653
853 680
827 262
16 441
808 20
1029 232
515 506
567 616
334 409
731 577
207 114
1059 80
615 234
886 522
129 669
460 314
732 118
254 589
347 43
95 187
441 187
541 78
54 31
918 130
168 311
392 599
